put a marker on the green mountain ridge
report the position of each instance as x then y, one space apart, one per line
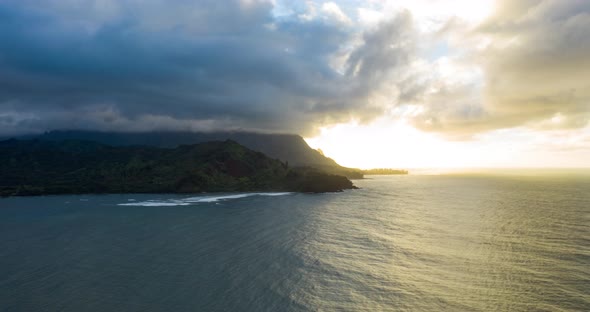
290 148
36 167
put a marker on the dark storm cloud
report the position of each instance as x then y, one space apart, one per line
132 65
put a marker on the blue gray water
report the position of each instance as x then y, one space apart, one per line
401 243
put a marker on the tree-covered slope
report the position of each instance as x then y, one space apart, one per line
289 148
35 167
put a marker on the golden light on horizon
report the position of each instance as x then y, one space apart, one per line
385 145
388 143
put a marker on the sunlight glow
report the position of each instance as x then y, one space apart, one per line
388 143
384 144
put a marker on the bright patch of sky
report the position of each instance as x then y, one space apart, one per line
392 141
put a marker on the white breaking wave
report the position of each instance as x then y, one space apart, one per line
198 199
211 199
154 203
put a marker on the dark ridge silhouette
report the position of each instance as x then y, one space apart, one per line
289 148
37 167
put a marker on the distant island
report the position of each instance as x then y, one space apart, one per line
43 167
384 171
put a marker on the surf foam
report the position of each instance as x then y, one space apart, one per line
198 199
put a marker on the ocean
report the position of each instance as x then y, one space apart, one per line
444 242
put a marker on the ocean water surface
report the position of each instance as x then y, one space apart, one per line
471 242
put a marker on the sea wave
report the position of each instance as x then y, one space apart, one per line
199 199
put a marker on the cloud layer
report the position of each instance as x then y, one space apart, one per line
185 64
266 66
533 59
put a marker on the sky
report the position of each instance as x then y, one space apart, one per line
403 84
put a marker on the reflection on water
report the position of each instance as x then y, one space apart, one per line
419 243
